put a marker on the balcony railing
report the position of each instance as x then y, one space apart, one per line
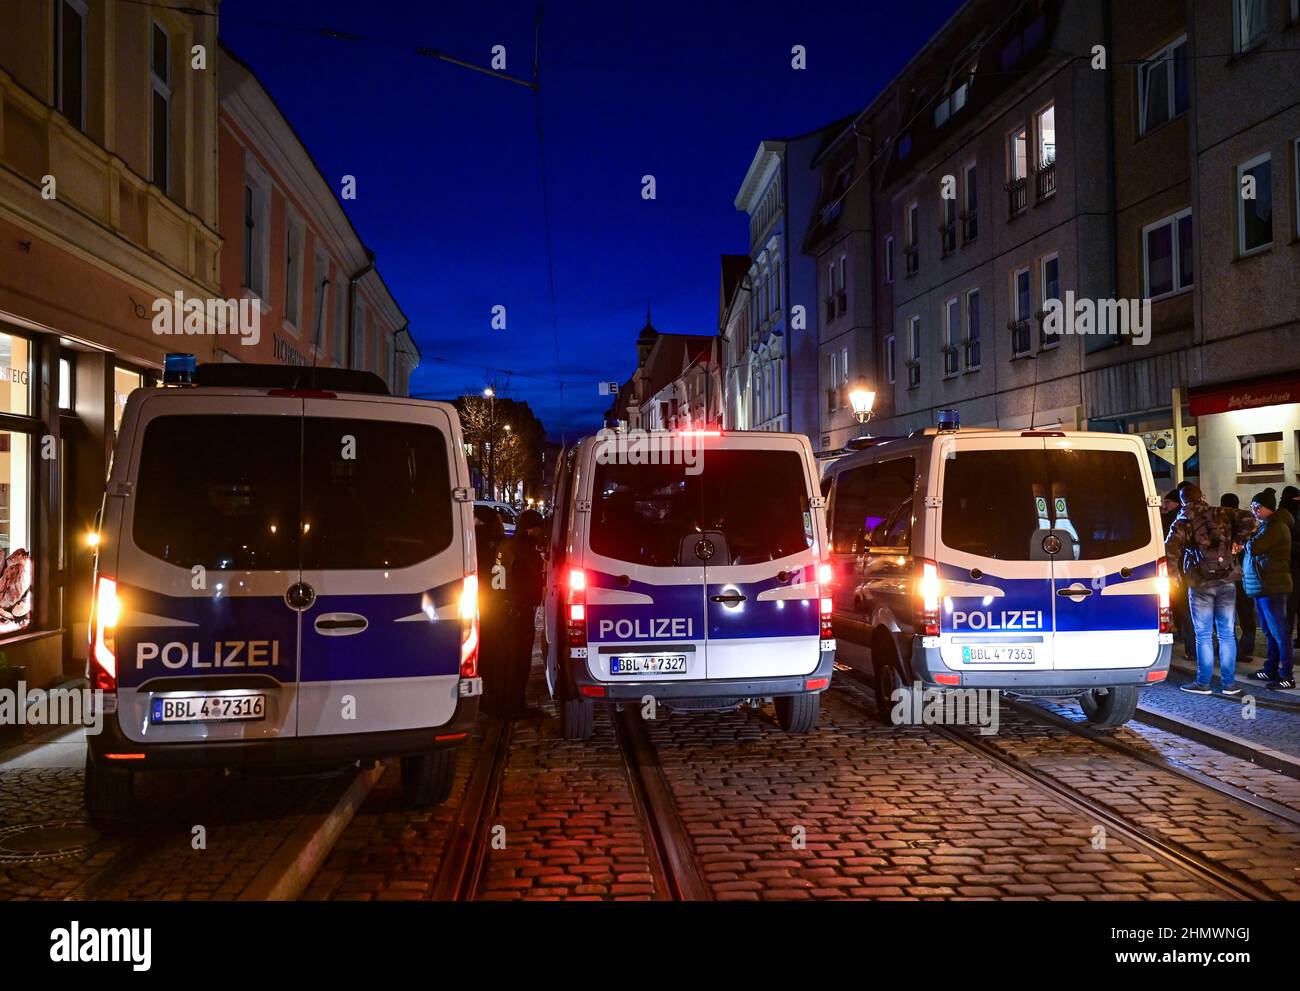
1046 338
913 373
841 303
970 228
948 238
1019 336
912 258
972 348
1045 180
950 366
1017 196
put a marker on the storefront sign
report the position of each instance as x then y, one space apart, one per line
1274 391
286 352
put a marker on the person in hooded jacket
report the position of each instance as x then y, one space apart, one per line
1290 501
1266 576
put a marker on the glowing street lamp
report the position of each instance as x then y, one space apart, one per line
862 399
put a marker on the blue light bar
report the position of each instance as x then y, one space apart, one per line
948 419
178 369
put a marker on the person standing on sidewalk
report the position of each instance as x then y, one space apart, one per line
1170 507
1290 501
1267 579
1245 604
1200 548
521 557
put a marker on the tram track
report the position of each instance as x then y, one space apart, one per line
465 855
1228 883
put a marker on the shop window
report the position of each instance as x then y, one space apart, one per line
15 533
125 382
1261 453
15 375
65 385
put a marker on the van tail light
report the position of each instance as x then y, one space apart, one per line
104 611
927 598
1162 591
468 608
576 606
824 604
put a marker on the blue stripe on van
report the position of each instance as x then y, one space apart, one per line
385 648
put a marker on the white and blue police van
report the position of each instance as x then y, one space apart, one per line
686 567
1030 562
285 579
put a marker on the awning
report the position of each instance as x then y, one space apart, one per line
1273 390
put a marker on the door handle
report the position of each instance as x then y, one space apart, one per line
731 598
340 624
1081 593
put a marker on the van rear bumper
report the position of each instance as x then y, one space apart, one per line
285 752
926 664
728 688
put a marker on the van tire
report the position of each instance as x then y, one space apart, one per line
888 671
427 778
109 795
1109 708
798 713
577 718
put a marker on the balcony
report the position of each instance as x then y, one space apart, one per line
911 258
1019 337
1017 196
1045 180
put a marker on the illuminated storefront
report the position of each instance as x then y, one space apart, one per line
1248 435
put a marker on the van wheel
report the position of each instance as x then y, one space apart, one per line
577 718
888 670
110 796
1109 708
427 778
798 713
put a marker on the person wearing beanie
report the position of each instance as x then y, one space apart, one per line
1290 501
1245 605
1171 505
1266 577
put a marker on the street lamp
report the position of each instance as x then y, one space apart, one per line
490 394
862 400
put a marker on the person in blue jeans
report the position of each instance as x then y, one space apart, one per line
1200 548
1266 576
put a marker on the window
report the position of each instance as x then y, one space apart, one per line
832 383
293 272
972 330
1250 18
321 294
1162 86
891 359
1021 306
776 289
66 385
340 319
160 108
358 336
914 358
910 249
1261 452
1051 287
889 260
1255 215
257 227
1295 189
125 382
948 233
15 375
70 60
15 531
970 206
951 331
913 221
843 300
866 498
1167 255
1045 129
1017 163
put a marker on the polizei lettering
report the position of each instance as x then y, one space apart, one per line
647 629
178 656
1015 619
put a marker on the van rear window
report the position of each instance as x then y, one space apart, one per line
224 492
758 501
991 504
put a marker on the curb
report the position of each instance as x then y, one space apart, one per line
1234 746
295 861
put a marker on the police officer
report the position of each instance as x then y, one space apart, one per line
522 561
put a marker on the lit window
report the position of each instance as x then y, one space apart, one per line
1261 452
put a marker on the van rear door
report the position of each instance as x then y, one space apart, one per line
384 557
992 546
762 590
201 539
1105 575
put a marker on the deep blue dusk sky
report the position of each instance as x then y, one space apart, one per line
447 165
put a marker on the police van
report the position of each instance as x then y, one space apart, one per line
1026 561
285 579
686 566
